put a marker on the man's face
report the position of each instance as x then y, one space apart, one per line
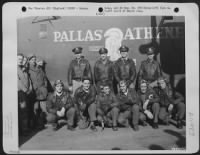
59 88
32 61
143 87
103 56
20 60
162 84
78 56
124 54
41 63
106 90
25 61
123 87
86 84
150 56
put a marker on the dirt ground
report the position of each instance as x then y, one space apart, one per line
147 138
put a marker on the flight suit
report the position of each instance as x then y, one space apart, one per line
56 103
166 98
103 73
129 107
107 108
85 104
39 95
153 104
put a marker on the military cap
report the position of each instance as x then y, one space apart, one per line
143 82
162 78
20 54
31 56
77 50
58 82
105 84
150 50
40 61
103 50
123 49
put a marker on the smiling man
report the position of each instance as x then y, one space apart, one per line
78 68
128 105
107 107
60 106
149 104
84 98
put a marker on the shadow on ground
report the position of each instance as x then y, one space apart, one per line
156 147
181 142
25 138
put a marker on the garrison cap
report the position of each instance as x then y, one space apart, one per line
151 50
58 82
123 49
40 61
103 50
77 50
31 56
20 54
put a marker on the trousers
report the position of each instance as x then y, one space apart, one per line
69 116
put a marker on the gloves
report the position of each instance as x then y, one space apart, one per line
61 113
149 114
170 107
70 88
58 113
145 104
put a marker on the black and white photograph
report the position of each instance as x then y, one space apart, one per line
101 82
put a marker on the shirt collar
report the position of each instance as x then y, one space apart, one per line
87 91
149 61
106 60
57 94
124 59
126 93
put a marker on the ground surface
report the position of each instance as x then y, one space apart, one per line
147 138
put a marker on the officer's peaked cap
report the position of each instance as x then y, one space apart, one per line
77 50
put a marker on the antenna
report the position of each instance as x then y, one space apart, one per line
49 19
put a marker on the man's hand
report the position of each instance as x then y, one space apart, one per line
61 113
58 113
170 108
70 88
149 114
23 105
